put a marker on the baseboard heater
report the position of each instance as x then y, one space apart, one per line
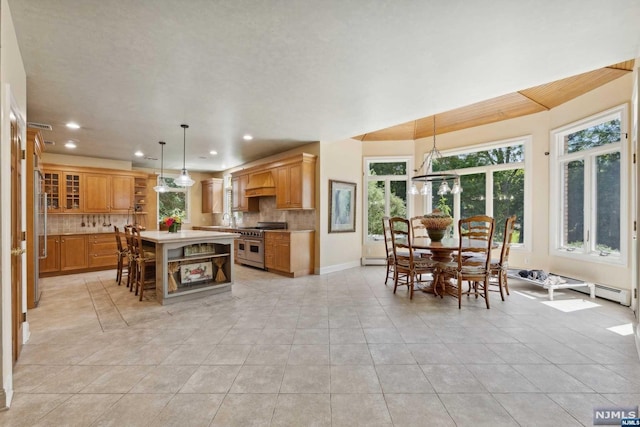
612 294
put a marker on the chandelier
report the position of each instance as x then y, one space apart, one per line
184 180
162 185
428 177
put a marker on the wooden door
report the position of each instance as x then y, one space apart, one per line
52 262
16 239
121 193
73 253
96 198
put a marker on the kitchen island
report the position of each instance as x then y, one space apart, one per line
191 264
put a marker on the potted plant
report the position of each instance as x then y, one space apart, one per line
173 222
437 222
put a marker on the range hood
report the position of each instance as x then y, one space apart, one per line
260 184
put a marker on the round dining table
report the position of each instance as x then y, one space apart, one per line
442 252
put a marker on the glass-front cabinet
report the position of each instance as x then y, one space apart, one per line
64 191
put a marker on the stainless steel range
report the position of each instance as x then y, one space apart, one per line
250 244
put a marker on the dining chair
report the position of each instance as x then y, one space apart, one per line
123 255
473 259
145 265
388 246
407 262
500 267
418 228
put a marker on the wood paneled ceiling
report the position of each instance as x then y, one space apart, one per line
521 103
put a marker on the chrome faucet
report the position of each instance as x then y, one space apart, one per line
233 221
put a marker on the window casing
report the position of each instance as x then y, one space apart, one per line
175 201
494 182
386 193
588 211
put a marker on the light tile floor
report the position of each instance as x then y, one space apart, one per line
339 349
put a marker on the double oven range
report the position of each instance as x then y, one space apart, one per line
250 244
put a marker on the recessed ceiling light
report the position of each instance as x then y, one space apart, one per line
213 152
247 137
138 153
70 144
72 125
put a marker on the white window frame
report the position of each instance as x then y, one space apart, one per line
558 159
187 200
387 187
526 141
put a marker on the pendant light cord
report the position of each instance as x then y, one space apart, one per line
184 146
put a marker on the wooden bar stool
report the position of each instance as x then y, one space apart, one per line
145 265
123 256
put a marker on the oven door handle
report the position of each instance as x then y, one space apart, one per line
253 242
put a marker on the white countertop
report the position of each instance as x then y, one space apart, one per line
185 236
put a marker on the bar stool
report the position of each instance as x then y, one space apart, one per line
144 259
131 257
123 254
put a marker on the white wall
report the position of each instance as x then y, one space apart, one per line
342 161
13 83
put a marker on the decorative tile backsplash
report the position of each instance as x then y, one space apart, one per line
72 223
296 219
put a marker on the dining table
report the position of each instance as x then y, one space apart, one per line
443 253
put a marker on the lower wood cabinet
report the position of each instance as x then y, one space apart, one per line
103 250
51 263
289 252
74 253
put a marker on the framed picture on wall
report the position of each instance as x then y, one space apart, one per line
342 206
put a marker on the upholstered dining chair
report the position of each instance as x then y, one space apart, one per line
473 259
500 267
407 261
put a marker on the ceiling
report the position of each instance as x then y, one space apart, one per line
512 105
288 73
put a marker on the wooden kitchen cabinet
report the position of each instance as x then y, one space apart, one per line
122 190
97 192
241 203
51 263
102 250
290 253
73 252
212 195
295 183
64 191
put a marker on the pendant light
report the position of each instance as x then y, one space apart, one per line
428 176
162 185
184 180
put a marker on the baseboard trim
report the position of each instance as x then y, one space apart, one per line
339 267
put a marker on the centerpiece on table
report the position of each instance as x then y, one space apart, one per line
174 222
437 222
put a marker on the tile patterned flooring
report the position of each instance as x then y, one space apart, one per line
334 350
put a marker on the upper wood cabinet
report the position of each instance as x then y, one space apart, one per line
122 190
97 192
295 183
64 191
212 195
93 190
240 202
